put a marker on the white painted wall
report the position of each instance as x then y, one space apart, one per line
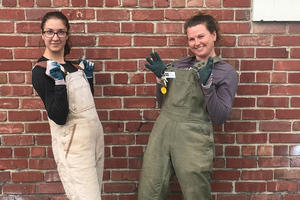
276 10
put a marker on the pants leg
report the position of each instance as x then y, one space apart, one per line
192 157
78 169
157 169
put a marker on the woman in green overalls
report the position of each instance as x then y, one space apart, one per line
199 91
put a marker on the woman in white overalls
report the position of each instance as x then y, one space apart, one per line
67 93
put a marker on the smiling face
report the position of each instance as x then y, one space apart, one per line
201 41
55 44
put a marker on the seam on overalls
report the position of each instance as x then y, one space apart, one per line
71 140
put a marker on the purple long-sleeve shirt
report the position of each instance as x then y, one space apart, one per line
219 91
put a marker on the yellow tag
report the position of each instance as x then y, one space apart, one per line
163 90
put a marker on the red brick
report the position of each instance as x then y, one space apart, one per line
101 53
134 53
291 186
241 163
271 53
108 103
121 66
150 40
43 139
13 14
103 27
132 175
137 27
115 15
59 3
274 126
224 138
286 174
286 40
258 114
112 127
257 175
265 150
19 189
78 3
21 152
121 78
111 163
233 3
281 150
11 128
221 187
129 3
145 15
273 162
8 103
79 14
114 41
119 151
251 138
237 28
5 152
37 128
226 175
284 138
252 90
284 90
242 15
29 176
13 164
254 41
162 3
244 102
238 53
52 188
24 115
249 151
42 164
135 151
139 103
119 139
43 3
169 28
257 65
250 187
139 126
38 152
119 187
240 126
102 78
295 53
18 140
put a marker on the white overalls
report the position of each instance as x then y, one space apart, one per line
78 146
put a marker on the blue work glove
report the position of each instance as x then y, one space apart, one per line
205 71
156 65
88 67
53 70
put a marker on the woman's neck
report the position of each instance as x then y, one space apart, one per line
58 57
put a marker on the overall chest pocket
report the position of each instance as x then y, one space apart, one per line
79 93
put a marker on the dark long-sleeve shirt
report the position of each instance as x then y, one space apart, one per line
219 91
53 96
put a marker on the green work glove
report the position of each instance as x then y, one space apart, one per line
205 71
156 65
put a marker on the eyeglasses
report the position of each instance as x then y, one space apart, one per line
51 33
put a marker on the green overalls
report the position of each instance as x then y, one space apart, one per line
181 141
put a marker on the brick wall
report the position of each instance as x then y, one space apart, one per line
257 150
